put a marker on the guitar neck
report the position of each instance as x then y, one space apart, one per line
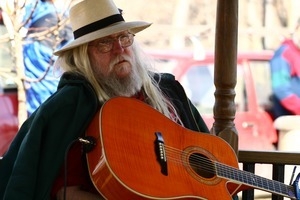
254 181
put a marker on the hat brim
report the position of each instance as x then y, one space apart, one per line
133 27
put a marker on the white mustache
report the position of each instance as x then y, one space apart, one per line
119 59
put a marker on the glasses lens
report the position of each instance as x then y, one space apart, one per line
104 46
126 40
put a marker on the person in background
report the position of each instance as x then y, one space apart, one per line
41 82
103 61
1 18
285 76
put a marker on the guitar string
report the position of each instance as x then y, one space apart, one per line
210 166
197 161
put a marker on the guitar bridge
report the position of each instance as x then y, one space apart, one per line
161 153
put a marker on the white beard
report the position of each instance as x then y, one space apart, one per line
115 86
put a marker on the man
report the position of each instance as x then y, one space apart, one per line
102 62
285 71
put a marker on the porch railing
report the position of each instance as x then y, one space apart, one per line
278 160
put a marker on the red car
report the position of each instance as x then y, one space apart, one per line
253 90
8 112
8 97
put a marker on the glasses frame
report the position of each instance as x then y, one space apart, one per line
106 44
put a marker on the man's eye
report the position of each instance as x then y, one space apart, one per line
104 42
122 37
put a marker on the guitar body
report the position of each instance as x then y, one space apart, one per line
124 163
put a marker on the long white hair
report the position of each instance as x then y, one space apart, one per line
76 60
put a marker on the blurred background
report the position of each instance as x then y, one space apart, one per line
262 23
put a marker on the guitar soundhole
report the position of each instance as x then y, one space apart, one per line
202 165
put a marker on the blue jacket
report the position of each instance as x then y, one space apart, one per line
38 54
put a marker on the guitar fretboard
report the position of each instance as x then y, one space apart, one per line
253 180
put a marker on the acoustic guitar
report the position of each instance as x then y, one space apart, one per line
141 154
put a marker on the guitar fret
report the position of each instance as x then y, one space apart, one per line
251 179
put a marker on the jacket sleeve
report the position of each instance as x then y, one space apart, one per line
188 113
59 121
200 122
282 83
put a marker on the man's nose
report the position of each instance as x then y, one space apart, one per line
117 47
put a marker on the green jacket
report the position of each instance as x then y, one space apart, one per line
31 164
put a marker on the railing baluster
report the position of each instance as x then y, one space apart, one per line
248 194
278 174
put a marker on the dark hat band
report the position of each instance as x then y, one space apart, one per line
97 25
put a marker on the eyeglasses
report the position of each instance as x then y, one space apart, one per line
106 44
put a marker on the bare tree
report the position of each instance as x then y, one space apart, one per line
15 21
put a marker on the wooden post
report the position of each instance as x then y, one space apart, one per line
225 71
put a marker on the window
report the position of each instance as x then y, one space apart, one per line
198 82
5 56
262 82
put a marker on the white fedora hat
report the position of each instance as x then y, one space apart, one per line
93 19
